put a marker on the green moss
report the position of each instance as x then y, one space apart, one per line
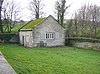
32 23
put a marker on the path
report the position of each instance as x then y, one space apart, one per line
5 67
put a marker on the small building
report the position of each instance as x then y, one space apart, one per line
42 32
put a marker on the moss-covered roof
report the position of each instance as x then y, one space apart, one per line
32 23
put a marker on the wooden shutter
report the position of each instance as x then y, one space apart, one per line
43 36
56 35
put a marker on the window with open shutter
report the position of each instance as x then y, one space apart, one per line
42 36
57 35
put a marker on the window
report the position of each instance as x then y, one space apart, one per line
49 35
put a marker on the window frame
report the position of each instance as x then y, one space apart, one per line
50 35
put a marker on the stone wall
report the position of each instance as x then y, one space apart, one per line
90 45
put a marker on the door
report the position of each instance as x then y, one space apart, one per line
23 40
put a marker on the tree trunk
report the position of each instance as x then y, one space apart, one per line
62 18
1 28
58 17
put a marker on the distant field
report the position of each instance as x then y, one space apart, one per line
52 60
17 27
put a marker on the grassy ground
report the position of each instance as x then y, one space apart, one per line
55 60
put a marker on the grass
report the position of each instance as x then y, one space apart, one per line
52 60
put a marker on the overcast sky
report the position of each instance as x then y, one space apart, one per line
49 6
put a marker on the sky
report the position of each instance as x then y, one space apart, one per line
49 7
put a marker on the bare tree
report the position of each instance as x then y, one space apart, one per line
81 16
87 17
11 13
60 7
69 28
1 28
95 17
57 7
76 23
36 6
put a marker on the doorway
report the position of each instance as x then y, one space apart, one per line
23 40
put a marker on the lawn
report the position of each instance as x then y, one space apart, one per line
52 60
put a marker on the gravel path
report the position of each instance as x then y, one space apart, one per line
5 67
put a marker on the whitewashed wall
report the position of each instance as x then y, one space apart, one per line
28 41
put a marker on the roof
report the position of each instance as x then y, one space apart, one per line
32 23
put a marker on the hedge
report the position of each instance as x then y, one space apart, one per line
6 37
83 39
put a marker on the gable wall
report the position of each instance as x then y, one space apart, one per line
49 25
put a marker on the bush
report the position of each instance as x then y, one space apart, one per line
82 39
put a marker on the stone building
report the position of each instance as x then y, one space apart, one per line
42 32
